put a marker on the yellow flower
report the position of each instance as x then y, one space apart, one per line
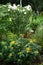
22 35
28 49
12 42
31 41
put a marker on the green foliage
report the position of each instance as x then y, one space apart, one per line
34 21
18 51
13 25
39 36
14 20
17 20
41 64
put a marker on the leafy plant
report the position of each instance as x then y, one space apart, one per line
39 35
15 21
18 51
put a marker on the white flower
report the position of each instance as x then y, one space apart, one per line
28 7
14 6
8 9
24 12
9 6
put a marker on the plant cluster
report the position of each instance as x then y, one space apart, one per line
15 23
18 51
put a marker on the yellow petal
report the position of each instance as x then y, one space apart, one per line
31 41
28 49
12 42
22 35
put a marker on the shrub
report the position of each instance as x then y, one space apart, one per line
14 22
18 51
14 18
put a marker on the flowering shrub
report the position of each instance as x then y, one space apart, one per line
18 51
15 21
14 18
20 19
